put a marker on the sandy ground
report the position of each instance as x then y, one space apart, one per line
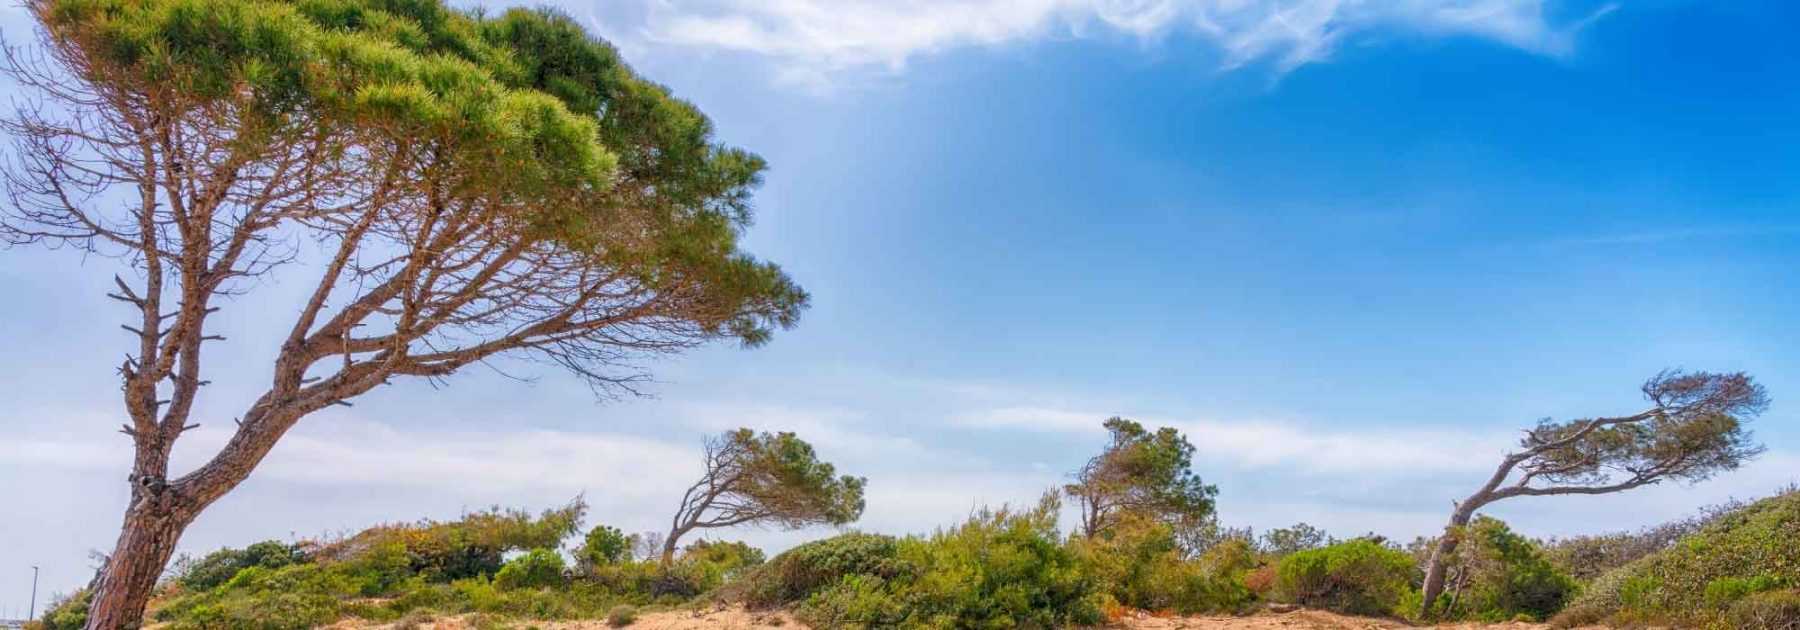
740 619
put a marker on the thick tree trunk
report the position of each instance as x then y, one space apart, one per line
153 525
1440 555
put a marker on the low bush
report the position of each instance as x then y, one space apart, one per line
621 615
1588 557
1498 575
1771 610
69 612
796 574
1358 577
217 567
1701 578
537 568
1000 569
1138 563
475 545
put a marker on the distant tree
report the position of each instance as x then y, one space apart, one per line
646 545
766 478
1693 430
1144 473
466 187
604 545
1282 541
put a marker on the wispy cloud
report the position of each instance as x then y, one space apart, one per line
1266 444
1671 235
813 40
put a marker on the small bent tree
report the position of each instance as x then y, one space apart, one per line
759 479
463 187
1142 473
1693 430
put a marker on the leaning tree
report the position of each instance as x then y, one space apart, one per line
1143 473
459 188
1693 429
764 478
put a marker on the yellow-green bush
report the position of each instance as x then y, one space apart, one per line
1772 610
1000 569
1500 576
1139 563
69 612
537 568
799 572
1359 577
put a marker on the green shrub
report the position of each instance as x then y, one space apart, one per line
796 574
474 545
1696 581
1358 577
217 567
1139 563
1772 610
69 612
1502 576
856 601
295 596
1001 568
538 568
1588 557
621 615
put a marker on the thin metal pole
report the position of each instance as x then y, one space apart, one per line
33 611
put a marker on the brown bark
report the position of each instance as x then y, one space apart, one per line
668 550
153 525
1446 545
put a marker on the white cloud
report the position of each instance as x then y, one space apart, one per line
1267 445
813 39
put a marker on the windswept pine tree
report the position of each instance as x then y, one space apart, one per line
478 187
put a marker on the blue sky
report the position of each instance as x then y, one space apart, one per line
1349 248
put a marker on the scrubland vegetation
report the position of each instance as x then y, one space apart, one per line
1730 566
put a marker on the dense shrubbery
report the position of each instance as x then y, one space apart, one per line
803 570
1588 557
217 567
1361 576
1139 564
68 613
1497 575
475 545
537 568
1737 564
1001 569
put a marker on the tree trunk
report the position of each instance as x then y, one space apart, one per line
668 550
153 525
1434 571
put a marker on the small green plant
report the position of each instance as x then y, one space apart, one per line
621 615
